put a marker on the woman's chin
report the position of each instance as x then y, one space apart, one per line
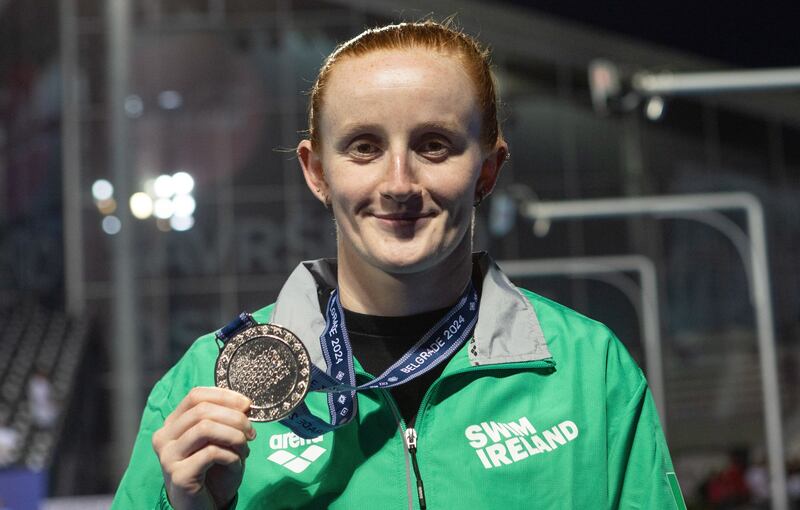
393 256
394 263
405 261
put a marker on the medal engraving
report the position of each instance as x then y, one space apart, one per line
269 365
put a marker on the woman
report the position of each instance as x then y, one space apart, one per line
539 407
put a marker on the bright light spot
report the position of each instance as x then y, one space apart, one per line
134 106
181 223
107 206
655 108
102 189
184 205
141 205
183 183
170 99
163 186
111 225
163 208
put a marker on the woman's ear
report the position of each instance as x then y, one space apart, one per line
490 171
311 163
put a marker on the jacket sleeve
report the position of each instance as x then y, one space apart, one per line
142 486
640 471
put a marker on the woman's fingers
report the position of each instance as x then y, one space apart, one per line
203 433
204 403
188 474
214 412
207 428
210 394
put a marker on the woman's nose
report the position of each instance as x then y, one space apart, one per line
400 182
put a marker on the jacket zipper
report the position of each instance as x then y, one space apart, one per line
410 433
411 444
403 432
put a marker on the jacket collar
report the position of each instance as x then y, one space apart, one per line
507 330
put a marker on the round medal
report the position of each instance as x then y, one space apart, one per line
269 365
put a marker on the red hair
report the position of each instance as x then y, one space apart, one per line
428 35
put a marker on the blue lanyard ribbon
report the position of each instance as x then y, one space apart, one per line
339 381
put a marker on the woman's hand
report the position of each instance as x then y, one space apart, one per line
202 447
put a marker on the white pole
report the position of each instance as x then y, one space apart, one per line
768 358
673 84
676 205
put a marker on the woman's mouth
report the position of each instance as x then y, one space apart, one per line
402 220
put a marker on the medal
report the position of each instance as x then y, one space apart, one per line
269 365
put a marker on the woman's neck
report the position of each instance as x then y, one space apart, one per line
369 290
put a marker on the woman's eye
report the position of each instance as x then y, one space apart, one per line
434 148
363 149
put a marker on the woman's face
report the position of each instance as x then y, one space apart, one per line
400 159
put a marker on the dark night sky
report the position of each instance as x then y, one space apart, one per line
741 33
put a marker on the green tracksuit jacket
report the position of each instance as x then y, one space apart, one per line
542 408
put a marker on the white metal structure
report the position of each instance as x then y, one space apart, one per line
713 82
684 206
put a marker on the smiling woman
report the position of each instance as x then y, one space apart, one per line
400 160
492 395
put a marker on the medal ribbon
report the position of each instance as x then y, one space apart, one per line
339 381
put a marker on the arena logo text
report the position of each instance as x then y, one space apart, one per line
296 461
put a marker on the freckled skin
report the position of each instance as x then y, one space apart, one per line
400 163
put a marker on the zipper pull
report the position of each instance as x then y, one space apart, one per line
411 440
411 444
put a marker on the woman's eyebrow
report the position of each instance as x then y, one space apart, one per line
348 131
351 130
447 128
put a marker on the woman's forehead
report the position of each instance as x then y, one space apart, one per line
390 82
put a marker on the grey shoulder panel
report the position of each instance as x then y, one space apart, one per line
508 329
297 307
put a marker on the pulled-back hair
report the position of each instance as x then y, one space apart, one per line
427 35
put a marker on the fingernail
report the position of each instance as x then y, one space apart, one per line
252 434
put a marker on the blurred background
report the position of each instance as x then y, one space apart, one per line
149 193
